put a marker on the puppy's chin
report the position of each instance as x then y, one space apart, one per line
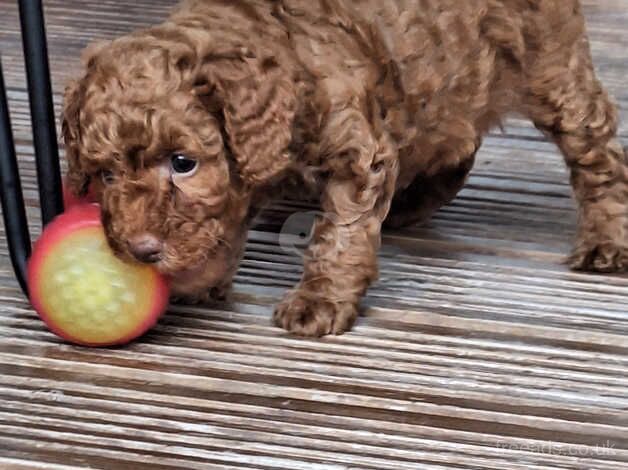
197 281
193 283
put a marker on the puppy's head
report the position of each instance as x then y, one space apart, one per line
175 143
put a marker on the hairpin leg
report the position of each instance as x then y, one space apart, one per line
42 110
13 211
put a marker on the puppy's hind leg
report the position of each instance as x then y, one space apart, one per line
568 102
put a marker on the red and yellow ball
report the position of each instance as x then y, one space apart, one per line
83 292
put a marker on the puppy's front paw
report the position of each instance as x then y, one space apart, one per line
305 314
603 257
190 300
219 293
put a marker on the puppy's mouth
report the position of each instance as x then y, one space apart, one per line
187 274
181 271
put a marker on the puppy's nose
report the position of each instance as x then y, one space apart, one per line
145 248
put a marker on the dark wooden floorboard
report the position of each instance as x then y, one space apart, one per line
477 349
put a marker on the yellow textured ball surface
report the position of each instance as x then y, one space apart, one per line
89 293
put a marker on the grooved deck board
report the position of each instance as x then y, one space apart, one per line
477 348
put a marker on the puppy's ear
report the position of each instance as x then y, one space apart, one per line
257 100
77 179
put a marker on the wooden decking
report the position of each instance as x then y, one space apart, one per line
477 350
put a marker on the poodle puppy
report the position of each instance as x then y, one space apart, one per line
185 128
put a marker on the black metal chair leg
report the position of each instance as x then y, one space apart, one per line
44 138
42 109
13 211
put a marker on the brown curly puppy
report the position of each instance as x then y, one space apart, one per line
381 104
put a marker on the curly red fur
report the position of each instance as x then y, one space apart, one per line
381 105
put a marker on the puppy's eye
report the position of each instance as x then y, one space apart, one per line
107 177
182 164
